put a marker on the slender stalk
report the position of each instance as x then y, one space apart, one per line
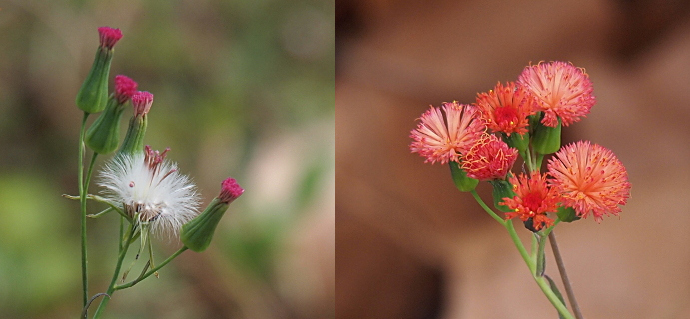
541 281
82 202
528 160
486 208
152 271
564 276
122 235
520 247
531 264
82 198
89 172
116 273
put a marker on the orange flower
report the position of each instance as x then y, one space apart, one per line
506 108
442 139
561 91
589 177
533 200
489 159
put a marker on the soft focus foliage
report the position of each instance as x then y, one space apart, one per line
243 89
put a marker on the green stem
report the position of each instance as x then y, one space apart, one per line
152 271
518 244
528 160
118 266
540 158
508 224
540 258
538 255
486 208
535 246
541 281
122 235
82 202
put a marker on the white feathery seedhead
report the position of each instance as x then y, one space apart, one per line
147 184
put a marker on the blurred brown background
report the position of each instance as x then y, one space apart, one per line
408 245
242 89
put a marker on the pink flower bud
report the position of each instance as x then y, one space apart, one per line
124 88
230 190
109 37
142 102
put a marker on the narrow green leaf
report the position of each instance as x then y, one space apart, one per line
554 288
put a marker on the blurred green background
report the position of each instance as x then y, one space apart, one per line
242 89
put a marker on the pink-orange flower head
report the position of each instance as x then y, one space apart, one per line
443 139
561 91
489 159
506 108
534 198
589 177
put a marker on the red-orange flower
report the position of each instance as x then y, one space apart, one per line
534 198
561 91
506 108
589 177
489 159
442 139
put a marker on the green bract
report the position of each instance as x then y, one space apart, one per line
103 136
197 233
502 189
94 91
463 182
547 139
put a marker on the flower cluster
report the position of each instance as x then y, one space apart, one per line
147 190
525 118
142 182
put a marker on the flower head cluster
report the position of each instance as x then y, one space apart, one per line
582 177
490 158
589 177
441 138
534 198
151 190
561 90
109 37
124 88
506 108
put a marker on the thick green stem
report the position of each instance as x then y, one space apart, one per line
82 202
121 257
